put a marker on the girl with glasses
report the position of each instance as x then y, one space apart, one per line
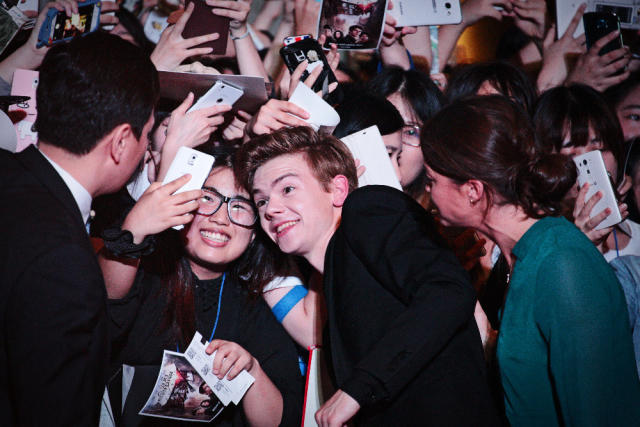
198 280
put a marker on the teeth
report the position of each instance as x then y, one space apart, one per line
218 237
285 225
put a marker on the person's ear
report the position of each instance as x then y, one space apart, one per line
119 140
340 190
474 190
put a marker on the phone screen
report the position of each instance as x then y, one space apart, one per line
75 25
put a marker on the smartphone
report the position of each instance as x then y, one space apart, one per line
193 162
202 22
591 170
599 24
221 93
308 49
410 13
58 27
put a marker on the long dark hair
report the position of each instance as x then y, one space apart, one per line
575 108
491 139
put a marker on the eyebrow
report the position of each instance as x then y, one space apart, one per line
277 180
631 107
235 196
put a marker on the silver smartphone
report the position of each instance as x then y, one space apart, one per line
592 170
221 93
193 162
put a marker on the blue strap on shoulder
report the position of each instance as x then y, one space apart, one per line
287 302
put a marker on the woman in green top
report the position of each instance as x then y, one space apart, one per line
564 346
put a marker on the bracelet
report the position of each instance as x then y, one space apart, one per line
120 243
240 37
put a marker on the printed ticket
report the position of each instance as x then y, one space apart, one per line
226 390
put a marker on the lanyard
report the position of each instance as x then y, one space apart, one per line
215 325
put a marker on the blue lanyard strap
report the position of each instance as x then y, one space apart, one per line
215 325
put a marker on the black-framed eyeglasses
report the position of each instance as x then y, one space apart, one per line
411 135
240 210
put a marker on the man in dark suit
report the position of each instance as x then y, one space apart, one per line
94 112
404 346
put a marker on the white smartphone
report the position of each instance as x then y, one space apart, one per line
221 93
368 147
409 13
193 162
591 169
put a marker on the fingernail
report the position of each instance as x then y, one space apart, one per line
623 206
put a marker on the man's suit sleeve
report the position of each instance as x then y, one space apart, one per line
390 236
57 346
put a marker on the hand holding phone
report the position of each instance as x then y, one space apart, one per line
161 206
58 26
309 50
191 162
597 194
599 24
203 21
173 48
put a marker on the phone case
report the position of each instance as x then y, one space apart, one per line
591 169
193 162
89 8
410 13
599 24
202 22
368 147
221 93
310 50
294 39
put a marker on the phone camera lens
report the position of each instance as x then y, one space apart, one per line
588 171
584 162
219 100
447 5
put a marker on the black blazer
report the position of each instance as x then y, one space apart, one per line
53 329
402 338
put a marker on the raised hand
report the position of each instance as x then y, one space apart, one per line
173 49
158 209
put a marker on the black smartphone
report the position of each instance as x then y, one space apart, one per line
599 24
308 49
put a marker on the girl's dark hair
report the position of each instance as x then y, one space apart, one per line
256 267
132 24
574 108
360 109
491 139
507 79
413 86
424 97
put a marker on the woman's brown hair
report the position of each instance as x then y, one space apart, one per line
491 139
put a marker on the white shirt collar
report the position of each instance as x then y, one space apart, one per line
80 194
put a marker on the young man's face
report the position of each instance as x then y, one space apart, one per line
295 210
355 32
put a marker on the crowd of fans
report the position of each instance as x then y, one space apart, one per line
485 293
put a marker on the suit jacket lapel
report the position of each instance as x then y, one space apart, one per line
35 162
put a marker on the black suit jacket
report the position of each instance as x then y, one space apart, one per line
53 329
402 337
